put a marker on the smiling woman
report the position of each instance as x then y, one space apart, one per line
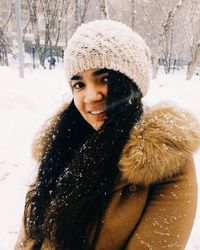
90 90
111 176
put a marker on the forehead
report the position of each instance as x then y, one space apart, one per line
90 73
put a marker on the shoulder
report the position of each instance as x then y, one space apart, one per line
160 145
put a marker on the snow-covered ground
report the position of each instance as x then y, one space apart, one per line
25 104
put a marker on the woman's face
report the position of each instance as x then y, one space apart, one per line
90 90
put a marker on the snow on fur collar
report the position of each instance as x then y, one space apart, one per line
159 146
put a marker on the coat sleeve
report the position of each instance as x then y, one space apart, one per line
169 214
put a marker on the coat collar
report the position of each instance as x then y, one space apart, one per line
159 146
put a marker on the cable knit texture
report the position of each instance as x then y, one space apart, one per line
109 44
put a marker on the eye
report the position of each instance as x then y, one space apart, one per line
78 85
105 79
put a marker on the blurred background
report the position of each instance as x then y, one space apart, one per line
33 36
171 28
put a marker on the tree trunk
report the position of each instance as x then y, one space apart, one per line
3 49
33 10
133 14
194 64
4 45
82 16
103 9
155 66
76 13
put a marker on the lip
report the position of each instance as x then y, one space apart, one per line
97 111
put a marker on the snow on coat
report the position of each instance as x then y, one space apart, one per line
154 200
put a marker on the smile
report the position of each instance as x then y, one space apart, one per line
97 112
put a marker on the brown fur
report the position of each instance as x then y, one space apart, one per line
159 145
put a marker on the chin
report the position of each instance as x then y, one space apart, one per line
97 125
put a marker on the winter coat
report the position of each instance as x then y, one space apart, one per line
154 200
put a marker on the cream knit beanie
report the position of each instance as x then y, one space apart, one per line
112 45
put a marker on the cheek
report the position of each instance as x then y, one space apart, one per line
105 90
78 101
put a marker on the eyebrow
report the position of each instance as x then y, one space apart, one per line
76 77
100 72
95 73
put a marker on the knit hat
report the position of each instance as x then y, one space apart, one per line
112 45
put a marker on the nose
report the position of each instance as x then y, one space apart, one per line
93 94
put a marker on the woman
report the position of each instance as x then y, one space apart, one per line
111 176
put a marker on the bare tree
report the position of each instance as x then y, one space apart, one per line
104 9
191 25
162 36
168 33
80 9
49 10
4 44
33 19
46 18
75 14
3 48
169 27
84 10
133 13
194 63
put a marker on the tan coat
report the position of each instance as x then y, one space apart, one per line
154 201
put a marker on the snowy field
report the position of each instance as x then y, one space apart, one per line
26 104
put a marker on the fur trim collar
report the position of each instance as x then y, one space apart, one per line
159 146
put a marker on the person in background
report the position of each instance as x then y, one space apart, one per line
112 174
52 62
